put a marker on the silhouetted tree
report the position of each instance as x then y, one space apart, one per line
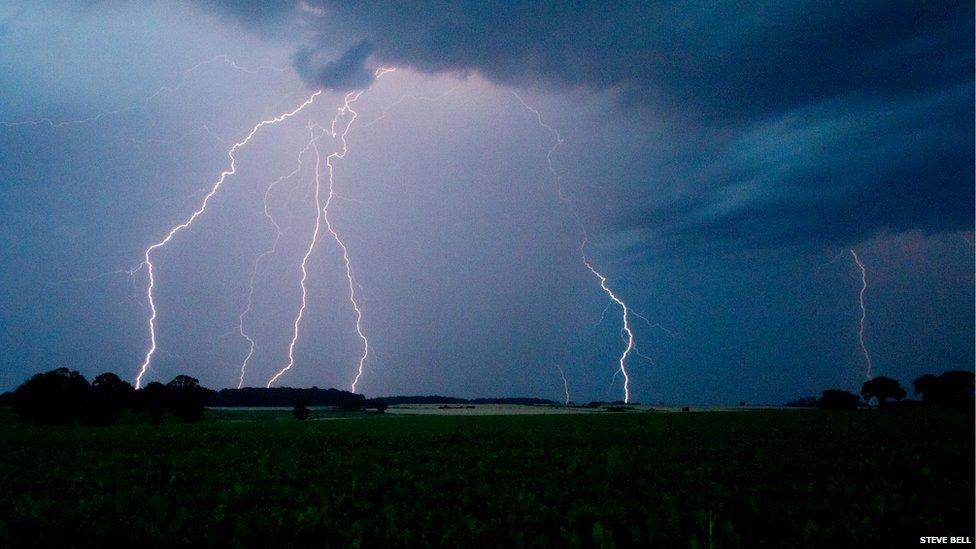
301 411
56 397
882 388
110 396
187 399
950 388
958 386
153 400
7 398
928 387
380 405
836 399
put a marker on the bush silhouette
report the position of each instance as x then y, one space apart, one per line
187 399
110 396
301 411
882 388
51 398
836 399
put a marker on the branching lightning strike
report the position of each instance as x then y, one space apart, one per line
626 322
349 115
147 259
345 251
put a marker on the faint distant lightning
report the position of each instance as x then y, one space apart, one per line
386 110
46 121
657 325
556 144
864 312
147 261
562 374
322 214
603 280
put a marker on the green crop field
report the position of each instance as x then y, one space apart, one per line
718 479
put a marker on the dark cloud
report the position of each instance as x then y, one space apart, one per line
252 12
721 59
347 72
836 173
831 120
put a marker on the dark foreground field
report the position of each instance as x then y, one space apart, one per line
723 479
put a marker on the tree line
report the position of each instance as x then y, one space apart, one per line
287 396
64 396
954 388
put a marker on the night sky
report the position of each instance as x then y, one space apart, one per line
723 160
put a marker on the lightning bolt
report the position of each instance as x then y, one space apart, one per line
562 374
626 321
629 340
147 255
345 251
864 312
347 113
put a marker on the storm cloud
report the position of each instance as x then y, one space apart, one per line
827 121
347 72
722 59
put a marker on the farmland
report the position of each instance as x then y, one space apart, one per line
724 479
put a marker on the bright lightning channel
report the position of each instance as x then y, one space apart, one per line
626 322
147 255
622 361
864 312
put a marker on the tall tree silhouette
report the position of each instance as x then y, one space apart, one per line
153 400
110 396
187 399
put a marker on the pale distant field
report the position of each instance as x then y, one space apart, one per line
485 410
518 409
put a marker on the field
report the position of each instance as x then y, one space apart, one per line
770 478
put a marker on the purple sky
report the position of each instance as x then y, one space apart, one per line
722 160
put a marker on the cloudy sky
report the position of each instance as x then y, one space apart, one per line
723 160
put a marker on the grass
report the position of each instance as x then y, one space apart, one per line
718 479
